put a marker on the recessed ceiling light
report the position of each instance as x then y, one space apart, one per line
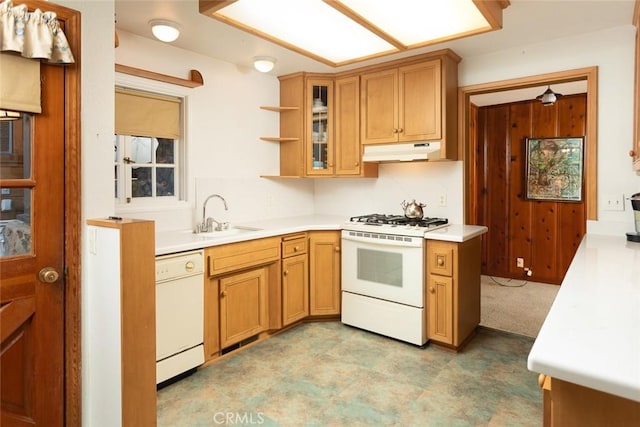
164 30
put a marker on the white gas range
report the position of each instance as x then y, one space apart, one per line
383 275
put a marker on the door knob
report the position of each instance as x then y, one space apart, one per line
48 275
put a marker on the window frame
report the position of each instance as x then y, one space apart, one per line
180 200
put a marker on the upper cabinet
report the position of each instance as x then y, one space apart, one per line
412 101
325 119
402 104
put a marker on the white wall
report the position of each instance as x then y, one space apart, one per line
225 155
611 51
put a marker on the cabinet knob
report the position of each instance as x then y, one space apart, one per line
440 262
432 290
296 248
632 153
284 273
337 248
395 130
357 164
223 294
400 130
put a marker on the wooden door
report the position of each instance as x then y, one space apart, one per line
420 102
324 282
32 263
379 107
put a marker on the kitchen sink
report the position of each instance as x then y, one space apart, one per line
231 231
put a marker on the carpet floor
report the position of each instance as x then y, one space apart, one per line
517 306
329 374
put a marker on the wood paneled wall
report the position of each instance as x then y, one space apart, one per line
545 234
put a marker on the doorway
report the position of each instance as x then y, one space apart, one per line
476 166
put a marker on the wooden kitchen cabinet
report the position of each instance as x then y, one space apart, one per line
415 100
347 146
567 404
324 281
453 290
241 292
243 305
310 144
295 279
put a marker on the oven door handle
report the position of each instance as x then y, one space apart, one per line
405 242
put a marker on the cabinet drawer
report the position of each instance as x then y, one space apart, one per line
237 256
294 245
440 258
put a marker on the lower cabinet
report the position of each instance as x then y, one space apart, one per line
295 279
243 305
324 280
453 290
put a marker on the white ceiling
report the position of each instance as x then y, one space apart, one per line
525 22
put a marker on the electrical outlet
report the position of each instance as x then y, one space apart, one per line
520 262
613 202
442 200
6 191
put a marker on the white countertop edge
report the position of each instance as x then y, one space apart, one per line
456 233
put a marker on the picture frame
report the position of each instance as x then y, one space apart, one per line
554 169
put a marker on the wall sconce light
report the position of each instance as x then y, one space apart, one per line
6 115
164 30
264 64
549 97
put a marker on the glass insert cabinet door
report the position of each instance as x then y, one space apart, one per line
319 138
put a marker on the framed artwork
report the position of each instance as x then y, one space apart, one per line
554 169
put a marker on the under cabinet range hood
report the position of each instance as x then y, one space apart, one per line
402 152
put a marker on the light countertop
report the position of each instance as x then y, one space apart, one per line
185 240
591 336
456 233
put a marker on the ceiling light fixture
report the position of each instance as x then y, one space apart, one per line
164 30
549 97
264 64
341 32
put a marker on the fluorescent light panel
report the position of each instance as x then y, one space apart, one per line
415 22
320 29
310 25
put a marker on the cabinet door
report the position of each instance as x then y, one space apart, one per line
295 289
243 305
440 308
347 130
319 134
420 102
324 282
379 107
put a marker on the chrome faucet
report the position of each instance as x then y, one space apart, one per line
206 225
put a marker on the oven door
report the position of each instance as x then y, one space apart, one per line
383 266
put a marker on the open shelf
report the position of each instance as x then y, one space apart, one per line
277 139
278 109
195 78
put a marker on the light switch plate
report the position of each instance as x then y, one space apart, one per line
613 202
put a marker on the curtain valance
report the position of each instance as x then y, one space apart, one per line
35 35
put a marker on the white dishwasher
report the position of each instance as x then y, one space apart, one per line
179 314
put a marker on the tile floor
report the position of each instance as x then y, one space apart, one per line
329 374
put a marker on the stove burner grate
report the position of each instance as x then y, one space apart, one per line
383 219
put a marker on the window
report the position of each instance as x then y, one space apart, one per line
148 146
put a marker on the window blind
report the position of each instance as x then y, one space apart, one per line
19 83
145 114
